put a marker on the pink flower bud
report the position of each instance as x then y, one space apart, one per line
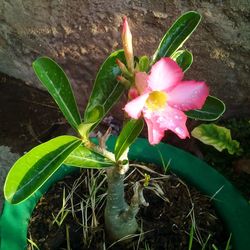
132 93
127 45
123 81
123 68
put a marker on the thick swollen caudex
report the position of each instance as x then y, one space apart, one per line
120 218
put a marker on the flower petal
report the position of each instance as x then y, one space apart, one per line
134 107
188 95
174 120
141 81
164 74
155 133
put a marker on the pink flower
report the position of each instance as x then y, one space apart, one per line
162 98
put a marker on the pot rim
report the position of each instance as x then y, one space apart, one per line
232 207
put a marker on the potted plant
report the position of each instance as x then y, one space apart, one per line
156 95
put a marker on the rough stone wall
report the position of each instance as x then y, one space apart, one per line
79 35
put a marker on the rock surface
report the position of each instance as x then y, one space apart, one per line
80 34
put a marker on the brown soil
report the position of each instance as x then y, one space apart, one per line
165 224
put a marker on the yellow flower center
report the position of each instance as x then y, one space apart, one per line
156 100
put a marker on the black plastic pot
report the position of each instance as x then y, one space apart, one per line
229 203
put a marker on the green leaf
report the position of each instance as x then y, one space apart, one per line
85 158
30 172
56 82
218 137
184 58
211 110
94 116
177 35
127 136
107 90
144 64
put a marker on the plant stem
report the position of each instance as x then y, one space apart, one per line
120 218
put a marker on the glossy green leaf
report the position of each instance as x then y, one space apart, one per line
30 172
129 133
56 82
211 110
218 137
144 64
184 58
85 158
178 33
93 117
107 90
